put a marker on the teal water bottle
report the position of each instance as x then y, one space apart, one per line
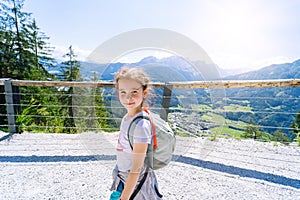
115 195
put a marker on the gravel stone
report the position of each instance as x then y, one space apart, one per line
65 166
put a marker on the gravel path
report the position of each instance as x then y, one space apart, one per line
57 166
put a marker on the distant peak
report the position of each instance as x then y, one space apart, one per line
149 59
297 62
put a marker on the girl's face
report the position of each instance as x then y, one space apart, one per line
131 95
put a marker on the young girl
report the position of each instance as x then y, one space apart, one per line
132 178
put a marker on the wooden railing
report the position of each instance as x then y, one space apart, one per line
187 84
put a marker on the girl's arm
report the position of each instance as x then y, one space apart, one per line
139 153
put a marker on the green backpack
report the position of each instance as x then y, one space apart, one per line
162 146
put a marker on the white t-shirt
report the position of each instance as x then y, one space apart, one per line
142 133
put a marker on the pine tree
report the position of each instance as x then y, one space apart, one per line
280 136
16 24
41 50
70 72
251 130
24 51
101 112
8 58
296 128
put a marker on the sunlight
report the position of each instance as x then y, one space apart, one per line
239 32
237 25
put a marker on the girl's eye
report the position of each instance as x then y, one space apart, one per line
134 92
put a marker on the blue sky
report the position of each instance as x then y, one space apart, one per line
236 34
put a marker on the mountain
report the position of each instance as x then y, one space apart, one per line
275 71
173 68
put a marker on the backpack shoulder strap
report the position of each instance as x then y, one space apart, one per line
132 126
153 128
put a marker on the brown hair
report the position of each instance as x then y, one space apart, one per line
136 74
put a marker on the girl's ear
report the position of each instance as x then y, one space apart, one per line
145 92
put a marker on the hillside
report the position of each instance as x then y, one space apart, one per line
274 107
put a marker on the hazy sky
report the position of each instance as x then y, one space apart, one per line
234 33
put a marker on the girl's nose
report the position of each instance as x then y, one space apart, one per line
128 96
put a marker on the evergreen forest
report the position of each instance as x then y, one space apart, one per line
26 54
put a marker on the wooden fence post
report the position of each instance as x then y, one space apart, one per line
10 109
166 101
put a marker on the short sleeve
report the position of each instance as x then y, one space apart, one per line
142 132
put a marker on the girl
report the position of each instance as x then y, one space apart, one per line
132 178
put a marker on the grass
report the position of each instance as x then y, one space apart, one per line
227 128
202 108
227 132
237 108
212 117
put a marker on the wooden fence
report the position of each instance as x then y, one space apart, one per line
11 90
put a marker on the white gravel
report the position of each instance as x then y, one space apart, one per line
57 166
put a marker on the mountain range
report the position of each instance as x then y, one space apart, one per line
275 71
175 68
172 68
